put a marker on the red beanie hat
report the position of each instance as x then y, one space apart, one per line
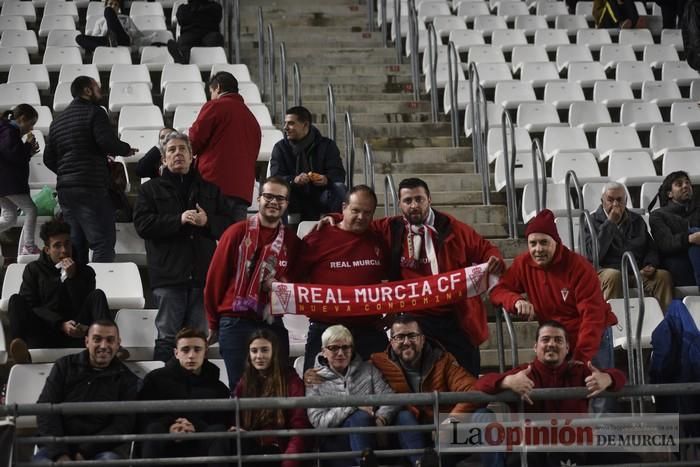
543 223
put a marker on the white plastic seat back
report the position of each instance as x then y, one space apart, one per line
121 283
652 317
24 386
556 200
11 283
137 329
298 328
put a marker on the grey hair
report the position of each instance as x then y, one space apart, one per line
614 186
334 333
179 136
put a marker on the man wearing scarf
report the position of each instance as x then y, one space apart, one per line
311 164
675 226
250 255
425 242
180 216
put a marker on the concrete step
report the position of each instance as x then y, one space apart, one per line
393 130
332 10
424 167
291 19
351 69
525 332
423 155
314 78
330 56
489 361
441 182
317 37
345 86
377 117
446 198
408 141
399 104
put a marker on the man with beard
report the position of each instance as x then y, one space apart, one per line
311 164
348 253
80 139
550 369
93 375
251 255
675 227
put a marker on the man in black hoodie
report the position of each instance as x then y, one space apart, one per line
199 22
187 376
312 166
180 216
57 300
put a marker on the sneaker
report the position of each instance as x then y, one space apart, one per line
19 351
29 250
368 458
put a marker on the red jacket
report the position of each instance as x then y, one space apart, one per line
458 246
226 139
220 286
294 418
566 375
567 290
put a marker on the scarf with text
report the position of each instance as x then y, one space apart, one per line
256 264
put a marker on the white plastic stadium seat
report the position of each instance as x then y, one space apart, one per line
12 94
270 137
24 385
55 57
206 57
238 70
130 247
665 137
26 39
184 116
652 318
121 94
13 56
121 283
11 284
40 175
70 71
298 327
610 139
556 200
633 168
137 330
36 74
140 117
142 140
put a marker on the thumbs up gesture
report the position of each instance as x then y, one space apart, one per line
598 381
520 383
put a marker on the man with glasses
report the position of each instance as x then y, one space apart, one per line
251 255
414 363
619 230
180 216
348 253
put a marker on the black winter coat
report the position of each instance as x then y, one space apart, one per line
52 300
14 161
72 379
80 139
173 382
199 16
179 254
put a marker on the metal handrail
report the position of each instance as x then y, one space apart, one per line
432 70
477 100
413 44
261 51
571 176
330 109
390 193
385 42
283 78
513 336
296 84
453 67
538 156
500 341
236 22
349 151
370 15
509 164
635 360
271 70
369 165
397 29
586 218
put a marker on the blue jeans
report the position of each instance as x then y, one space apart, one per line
41 456
90 215
368 340
350 442
605 358
233 340
491 458
410 439
178 307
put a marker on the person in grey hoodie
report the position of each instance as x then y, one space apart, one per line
343 372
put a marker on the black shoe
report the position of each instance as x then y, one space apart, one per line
19 351
112 38
175 52
368 459
429 458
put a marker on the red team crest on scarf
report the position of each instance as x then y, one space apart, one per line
564 293
283 293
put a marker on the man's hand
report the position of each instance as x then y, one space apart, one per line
311 376
368 409
616 212
325 220
598 382
648 271
69 266
200 218
234 428
79 457
525 309
64 458
694 238
212 336
495 265
520 383
321 180
302 179
72 329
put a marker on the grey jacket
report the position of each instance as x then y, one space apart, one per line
360 378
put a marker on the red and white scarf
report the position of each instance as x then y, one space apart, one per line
419 235
256 263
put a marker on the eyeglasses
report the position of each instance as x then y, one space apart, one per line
411 336
270 197
335 348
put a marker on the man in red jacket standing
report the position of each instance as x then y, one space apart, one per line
226 139
560 285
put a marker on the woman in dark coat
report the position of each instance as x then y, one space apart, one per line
14 173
